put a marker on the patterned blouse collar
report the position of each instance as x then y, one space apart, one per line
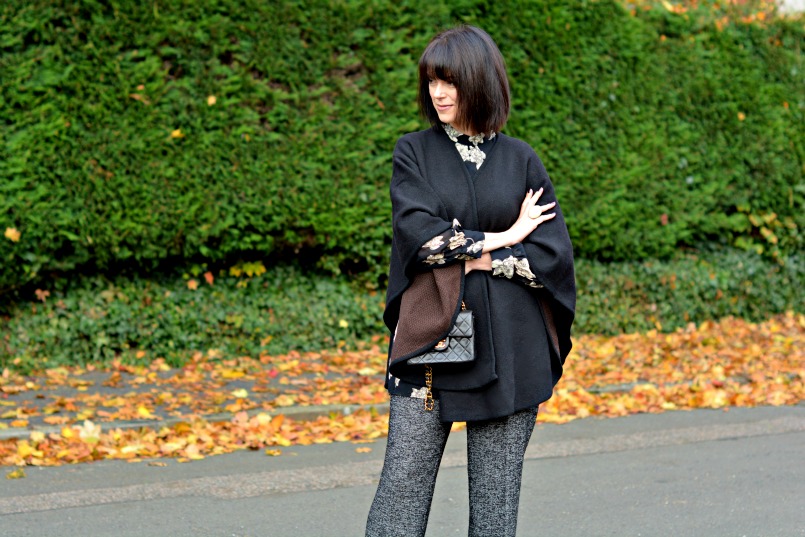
459 137
467 146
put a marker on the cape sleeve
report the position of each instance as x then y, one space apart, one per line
452 246
550 258
511 262
418 215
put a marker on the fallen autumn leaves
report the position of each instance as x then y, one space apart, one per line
714 365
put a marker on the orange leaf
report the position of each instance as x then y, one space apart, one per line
12 234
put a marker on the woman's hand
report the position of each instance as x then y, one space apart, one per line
531 216
482 263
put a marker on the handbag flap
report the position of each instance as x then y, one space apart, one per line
463 325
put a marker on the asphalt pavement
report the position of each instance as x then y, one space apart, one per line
703 473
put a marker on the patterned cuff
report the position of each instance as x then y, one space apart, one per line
512 263
454 244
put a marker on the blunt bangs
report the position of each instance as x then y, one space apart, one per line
467 57
439 63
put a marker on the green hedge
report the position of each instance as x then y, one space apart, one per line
694 287
660 130
96 320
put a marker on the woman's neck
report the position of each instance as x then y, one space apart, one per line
462 130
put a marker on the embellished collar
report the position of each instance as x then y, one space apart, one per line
460 138
467 146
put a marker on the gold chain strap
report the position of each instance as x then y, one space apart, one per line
428 385
429 375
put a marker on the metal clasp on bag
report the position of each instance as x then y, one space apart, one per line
445 343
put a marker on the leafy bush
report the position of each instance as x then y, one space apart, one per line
666 295
138 320
246 312
145 135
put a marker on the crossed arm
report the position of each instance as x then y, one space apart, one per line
501 252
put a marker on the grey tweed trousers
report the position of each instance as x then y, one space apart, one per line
495 451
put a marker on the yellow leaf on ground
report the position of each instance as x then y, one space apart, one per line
19 473
230 374
284 400
192 452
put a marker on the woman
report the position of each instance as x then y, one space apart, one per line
475 219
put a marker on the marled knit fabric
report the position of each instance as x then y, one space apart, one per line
495 451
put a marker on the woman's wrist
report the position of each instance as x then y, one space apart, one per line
481 263
495 241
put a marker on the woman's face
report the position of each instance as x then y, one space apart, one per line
445 100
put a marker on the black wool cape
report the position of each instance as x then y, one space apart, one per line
517 362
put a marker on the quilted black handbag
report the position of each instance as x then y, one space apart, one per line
458 347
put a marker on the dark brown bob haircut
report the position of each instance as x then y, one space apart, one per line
468 58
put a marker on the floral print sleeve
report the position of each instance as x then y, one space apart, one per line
398 386
512 263
453 245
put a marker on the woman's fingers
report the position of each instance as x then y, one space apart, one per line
531 215
543 218
537 210
526 202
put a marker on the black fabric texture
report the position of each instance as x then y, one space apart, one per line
516 364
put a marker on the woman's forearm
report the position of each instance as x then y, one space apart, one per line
494 241
531 216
